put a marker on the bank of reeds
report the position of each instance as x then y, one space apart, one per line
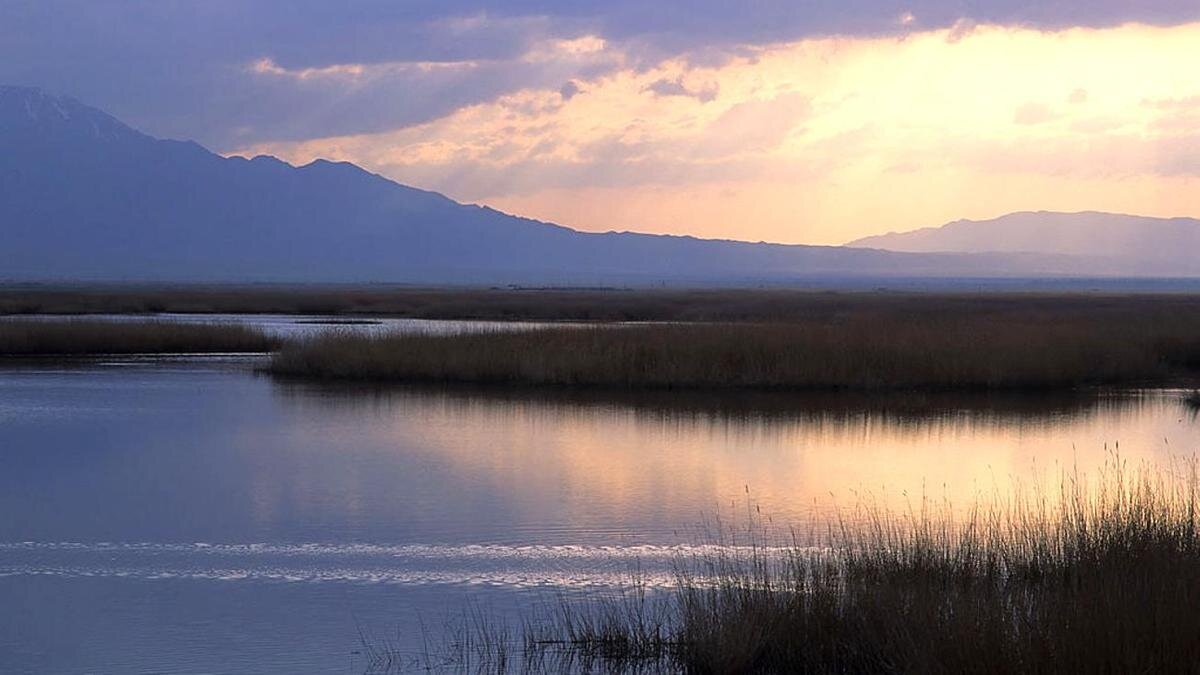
1089 576
1100 577
963 352
78 337
644 304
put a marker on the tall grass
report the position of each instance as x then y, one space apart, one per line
1085 581
84 337
1091 576
851 353
1095 578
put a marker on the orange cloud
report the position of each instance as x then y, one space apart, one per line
820 140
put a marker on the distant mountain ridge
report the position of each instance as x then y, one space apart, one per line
1113 242
83 196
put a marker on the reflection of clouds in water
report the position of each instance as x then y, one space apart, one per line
596 465
504 496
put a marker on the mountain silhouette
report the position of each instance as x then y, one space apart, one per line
1114 243
83 196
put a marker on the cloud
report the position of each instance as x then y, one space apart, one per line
569 90
180 69
811 139
960 29
226 72
357 74
1174 103
680 113
682 25
1175 114
676 87
757 125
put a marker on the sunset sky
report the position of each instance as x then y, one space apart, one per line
778 121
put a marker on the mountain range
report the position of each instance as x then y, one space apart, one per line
1114 243
85 197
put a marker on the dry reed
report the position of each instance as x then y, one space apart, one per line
960 352
1102 576
83 337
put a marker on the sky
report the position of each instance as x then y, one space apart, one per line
788 121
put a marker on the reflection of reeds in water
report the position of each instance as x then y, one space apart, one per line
909 408
77 337
1094 576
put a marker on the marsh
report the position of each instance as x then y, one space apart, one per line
184 513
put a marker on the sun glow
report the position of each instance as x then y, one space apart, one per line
823 140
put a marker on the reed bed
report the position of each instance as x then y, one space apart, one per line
78 337
1096 575
857 353
557 304
1099 576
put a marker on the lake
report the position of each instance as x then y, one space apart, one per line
187 515
292 326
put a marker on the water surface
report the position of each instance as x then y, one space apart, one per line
305 325
187 515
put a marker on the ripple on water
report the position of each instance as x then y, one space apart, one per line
531 566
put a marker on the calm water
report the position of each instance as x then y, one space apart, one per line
300 326
188 516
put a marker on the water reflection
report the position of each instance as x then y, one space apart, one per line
592 466
188 515
293 326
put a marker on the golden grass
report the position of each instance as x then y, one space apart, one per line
1099 577
1092 575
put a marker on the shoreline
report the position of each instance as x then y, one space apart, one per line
863 346
548 305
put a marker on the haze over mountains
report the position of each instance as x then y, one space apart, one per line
83 196
1116 243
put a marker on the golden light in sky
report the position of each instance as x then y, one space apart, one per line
819 140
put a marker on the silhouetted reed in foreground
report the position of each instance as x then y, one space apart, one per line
1093 576
83 337
855 353
1093 579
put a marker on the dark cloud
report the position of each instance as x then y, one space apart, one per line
676 87
671 27
179 68
569 90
